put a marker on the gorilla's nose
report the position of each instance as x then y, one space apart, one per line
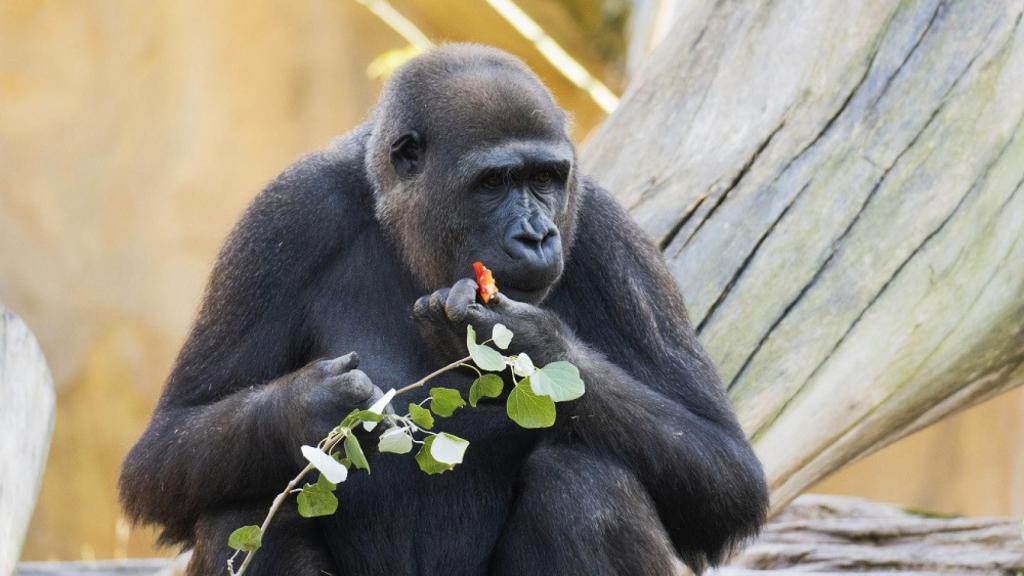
532 240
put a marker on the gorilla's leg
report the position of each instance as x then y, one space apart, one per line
578 514
292 546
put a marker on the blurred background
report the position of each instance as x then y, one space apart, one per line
133 134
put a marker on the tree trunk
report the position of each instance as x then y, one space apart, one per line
26 422
837 188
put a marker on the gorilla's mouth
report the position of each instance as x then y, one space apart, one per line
531 296
531 287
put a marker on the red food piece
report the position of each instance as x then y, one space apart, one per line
485 282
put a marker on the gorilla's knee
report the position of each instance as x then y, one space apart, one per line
292 544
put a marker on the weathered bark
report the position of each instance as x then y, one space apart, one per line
831 534
814 535
26 422
837 188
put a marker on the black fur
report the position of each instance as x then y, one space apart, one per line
466 157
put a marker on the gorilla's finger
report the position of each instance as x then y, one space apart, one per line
437 300
352 388
376 394
341 363
462 294
481 317
421 308
503 305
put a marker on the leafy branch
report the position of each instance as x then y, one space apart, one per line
530 404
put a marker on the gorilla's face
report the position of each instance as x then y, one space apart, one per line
517 194
504 206
475 163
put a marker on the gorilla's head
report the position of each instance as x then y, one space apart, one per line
471 160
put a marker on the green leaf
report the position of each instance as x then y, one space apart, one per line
527 409
502 336
427 462
486 386
368 416
485 357
559 380
349 420
445 401
356 416
354 452
246 538
421 416
315 501
322 483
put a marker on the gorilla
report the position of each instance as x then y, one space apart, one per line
365 248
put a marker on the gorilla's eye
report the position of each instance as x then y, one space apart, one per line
493 180
544 180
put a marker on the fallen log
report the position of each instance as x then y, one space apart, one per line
814 535
832 534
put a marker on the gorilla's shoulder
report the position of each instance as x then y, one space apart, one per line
607 238
330 183
602 219
309 212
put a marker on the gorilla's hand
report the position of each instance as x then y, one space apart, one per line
443 317
326 391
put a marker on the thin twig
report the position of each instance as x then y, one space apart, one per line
278 500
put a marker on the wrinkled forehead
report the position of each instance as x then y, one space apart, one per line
514 154
491 105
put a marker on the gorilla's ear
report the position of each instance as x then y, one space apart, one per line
405 154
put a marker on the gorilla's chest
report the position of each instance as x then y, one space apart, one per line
398 520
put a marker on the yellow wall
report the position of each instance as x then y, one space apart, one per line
972 463
132 134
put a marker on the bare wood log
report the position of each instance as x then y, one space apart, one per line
26 423
132 567
837 187
832 534
824 535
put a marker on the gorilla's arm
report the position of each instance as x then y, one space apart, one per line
235 406
653 398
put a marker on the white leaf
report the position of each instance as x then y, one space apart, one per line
448 449
378 408
523 365
396 441
333 470
502 336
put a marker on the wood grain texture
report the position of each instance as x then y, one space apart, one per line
26 423
831 534
837 187
133 567
814 535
